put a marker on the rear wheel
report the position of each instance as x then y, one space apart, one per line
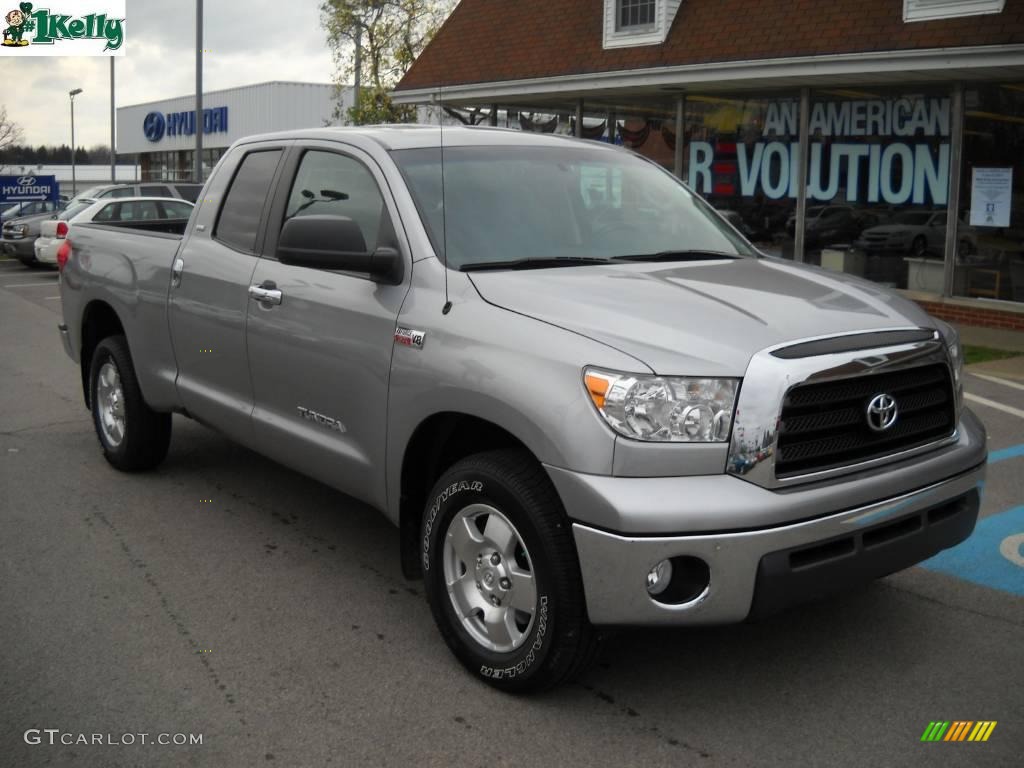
132 435
501 573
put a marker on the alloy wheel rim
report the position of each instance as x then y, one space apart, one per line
110 401
489 577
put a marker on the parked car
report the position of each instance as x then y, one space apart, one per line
15 210
153 214
180 190
53 230
543 393
918 233
18 235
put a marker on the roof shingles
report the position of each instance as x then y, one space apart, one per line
499 40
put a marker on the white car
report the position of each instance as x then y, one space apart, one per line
53 231
152 213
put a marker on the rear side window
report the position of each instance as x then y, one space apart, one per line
175 210
155 190
243 205
188 192
119 192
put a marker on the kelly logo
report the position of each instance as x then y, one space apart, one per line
958 730
75 29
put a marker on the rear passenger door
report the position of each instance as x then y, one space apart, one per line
209 289
321 357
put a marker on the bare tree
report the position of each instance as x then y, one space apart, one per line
10 131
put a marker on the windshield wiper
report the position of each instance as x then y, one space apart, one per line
678 256
540 263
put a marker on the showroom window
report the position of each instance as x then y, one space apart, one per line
742 155
990 234
878 184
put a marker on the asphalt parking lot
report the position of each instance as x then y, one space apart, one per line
226 596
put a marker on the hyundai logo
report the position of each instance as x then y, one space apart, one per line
153 126
26 181
882 412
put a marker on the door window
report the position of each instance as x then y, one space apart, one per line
240 214
119 192
139 210
338 185
156 190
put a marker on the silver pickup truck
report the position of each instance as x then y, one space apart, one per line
581 395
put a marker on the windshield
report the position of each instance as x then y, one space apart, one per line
507 204
74 209
92 192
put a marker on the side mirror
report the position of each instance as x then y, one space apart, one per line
335 242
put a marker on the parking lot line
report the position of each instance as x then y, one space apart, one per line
1006 453
993 404
996 380
51 298
27 285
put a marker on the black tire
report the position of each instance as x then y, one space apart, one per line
147 434
560 641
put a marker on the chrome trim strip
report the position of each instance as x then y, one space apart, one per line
752 450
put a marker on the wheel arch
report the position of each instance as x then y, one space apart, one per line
99 321
436 444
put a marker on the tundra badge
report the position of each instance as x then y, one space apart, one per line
319 418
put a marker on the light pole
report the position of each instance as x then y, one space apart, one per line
74 181
113 156
198 172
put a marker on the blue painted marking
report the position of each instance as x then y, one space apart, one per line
979 560
1006 453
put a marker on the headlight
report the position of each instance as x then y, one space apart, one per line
672 409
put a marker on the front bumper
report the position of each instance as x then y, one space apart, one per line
20 249
831 544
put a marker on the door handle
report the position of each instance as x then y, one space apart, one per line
176 270
266 292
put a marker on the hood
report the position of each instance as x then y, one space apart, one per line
699 318
30 218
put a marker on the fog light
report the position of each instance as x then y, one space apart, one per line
658 577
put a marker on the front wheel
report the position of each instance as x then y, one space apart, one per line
133 436
501 573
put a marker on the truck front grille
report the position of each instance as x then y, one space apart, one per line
825 425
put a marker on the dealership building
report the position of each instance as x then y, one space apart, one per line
884 138
162 133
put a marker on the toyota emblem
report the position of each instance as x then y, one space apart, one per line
882 412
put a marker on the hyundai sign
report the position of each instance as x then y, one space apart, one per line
16 189
156 125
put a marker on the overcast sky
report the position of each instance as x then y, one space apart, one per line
250 41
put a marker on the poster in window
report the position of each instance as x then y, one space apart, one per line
991 191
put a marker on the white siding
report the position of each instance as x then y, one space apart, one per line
262 108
